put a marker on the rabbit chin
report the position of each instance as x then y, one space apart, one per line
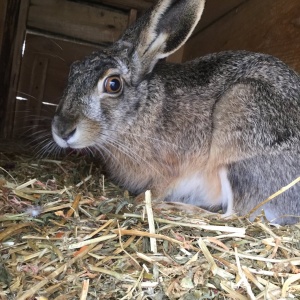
207 192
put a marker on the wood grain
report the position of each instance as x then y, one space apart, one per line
13 34
89 23
263 26
3 6
140 5
214 10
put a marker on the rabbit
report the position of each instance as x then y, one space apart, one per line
220 132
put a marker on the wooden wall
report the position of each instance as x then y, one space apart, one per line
77 20
12 21
3 6
214 10
268 26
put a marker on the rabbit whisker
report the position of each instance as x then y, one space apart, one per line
142 135
102 149
130 153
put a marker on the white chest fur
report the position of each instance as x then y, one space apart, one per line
208 191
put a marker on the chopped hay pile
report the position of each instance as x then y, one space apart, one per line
67 233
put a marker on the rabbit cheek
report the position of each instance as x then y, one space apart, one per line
86 134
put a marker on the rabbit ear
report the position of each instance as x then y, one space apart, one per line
161 32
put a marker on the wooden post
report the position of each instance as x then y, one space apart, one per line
13 21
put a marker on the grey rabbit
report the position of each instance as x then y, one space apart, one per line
219 132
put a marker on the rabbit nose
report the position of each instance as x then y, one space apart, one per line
68 135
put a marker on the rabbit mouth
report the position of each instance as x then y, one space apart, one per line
68 140
73 140
59 141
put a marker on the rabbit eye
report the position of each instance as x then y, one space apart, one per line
113 85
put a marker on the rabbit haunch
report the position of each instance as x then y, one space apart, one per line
221 131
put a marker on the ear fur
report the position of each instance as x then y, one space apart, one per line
160 32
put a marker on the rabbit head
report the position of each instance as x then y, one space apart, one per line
105 91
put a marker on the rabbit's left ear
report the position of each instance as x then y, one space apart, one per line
161 32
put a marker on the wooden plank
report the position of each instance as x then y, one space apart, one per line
264 26
37 86
93 24
214 10
3 7
140 5
9 12
176 57
10 60
28 118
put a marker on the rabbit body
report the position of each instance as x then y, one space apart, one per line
220 132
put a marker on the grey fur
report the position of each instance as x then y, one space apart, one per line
174 125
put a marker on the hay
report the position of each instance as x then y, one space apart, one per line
67 233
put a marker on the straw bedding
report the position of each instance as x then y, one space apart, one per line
68 233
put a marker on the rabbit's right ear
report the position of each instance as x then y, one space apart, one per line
160 32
